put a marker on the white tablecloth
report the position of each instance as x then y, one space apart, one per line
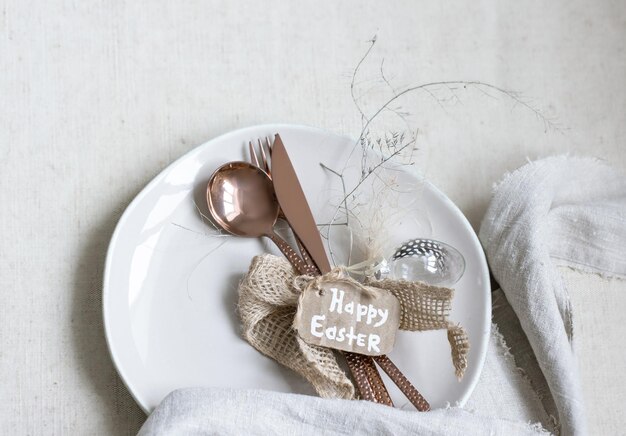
96 98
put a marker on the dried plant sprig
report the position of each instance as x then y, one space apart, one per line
392 147
214 231
389 147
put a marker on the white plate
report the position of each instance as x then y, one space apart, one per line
170 290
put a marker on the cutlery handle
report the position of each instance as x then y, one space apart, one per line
305 255
367 378
368 382
357 367
381 395
291 255
403 383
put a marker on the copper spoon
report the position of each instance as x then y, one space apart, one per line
242 201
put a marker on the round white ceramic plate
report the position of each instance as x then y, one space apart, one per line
170 286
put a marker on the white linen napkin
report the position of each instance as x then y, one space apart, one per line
557 211
218 411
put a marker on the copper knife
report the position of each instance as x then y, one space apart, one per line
294 205
300 218
296 209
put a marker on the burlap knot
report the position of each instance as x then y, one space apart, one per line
268 298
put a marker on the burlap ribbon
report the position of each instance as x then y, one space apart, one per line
268 298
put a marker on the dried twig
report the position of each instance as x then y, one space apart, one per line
393 146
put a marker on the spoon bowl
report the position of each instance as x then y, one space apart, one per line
242 201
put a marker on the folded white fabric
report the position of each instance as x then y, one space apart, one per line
215 411
551 212
556 211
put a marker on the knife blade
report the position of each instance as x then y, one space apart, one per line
295 206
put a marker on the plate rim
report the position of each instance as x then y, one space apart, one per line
483 346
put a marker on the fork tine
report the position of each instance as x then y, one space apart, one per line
268 147
253 156
269 143
265 166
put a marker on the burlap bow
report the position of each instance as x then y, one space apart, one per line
268 298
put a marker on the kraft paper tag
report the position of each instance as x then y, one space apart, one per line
348 317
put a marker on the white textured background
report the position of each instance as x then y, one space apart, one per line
97 97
